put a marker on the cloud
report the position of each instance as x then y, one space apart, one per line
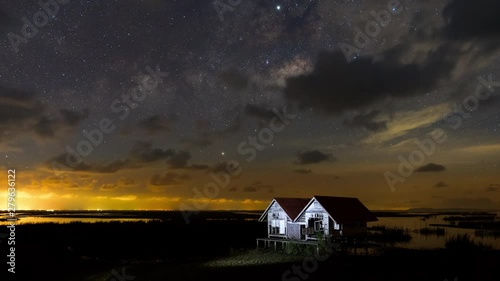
17 107
126 181
21 112
179 160
44 127
302 171
493 187
471 20
470 203
223 167
140 154
250 189
441 184
144 152
7 23
367 121
167 179
154 125
201 142
261 112
234 79
59 162
483 149
313 157
257 186
402 122
336 86
199 167
431 167
73 118
109 187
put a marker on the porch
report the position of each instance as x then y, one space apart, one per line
283 243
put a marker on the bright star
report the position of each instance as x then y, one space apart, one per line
222 153
278 7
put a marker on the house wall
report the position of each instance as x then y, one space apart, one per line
316 212
293 231
276 217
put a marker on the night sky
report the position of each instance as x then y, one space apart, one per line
209 76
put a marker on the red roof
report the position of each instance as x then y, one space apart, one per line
346 209
292 206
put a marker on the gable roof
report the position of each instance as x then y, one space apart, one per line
291 206
343 209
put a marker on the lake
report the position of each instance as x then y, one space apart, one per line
420 241
410 223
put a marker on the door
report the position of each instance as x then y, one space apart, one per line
302 232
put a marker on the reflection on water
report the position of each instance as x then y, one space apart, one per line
419 241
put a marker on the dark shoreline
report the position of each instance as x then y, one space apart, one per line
174 250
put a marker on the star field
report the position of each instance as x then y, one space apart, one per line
357 108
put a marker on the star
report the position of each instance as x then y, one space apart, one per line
222 153
278 7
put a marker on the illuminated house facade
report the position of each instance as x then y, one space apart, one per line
312 219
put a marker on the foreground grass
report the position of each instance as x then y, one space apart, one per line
394 264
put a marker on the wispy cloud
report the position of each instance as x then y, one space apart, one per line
403 122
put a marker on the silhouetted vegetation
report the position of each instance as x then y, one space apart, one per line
438 231
464 242
389 235
471 218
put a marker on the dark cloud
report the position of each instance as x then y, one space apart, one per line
139 155
441 184
234 79
154 125
219 167
144 152
17 107
250 189
472 19
313 157
199 166
179 160
201 142
108 187
234 126
7 23
260 112
302 171
335 85
257 186
232 189
126 181
367 122
44 127
21 112
431 167
493 187
470 203
168 179
73 118
59 162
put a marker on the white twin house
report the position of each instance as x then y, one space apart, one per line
317 218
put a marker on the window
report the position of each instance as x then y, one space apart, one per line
318 225
277 227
